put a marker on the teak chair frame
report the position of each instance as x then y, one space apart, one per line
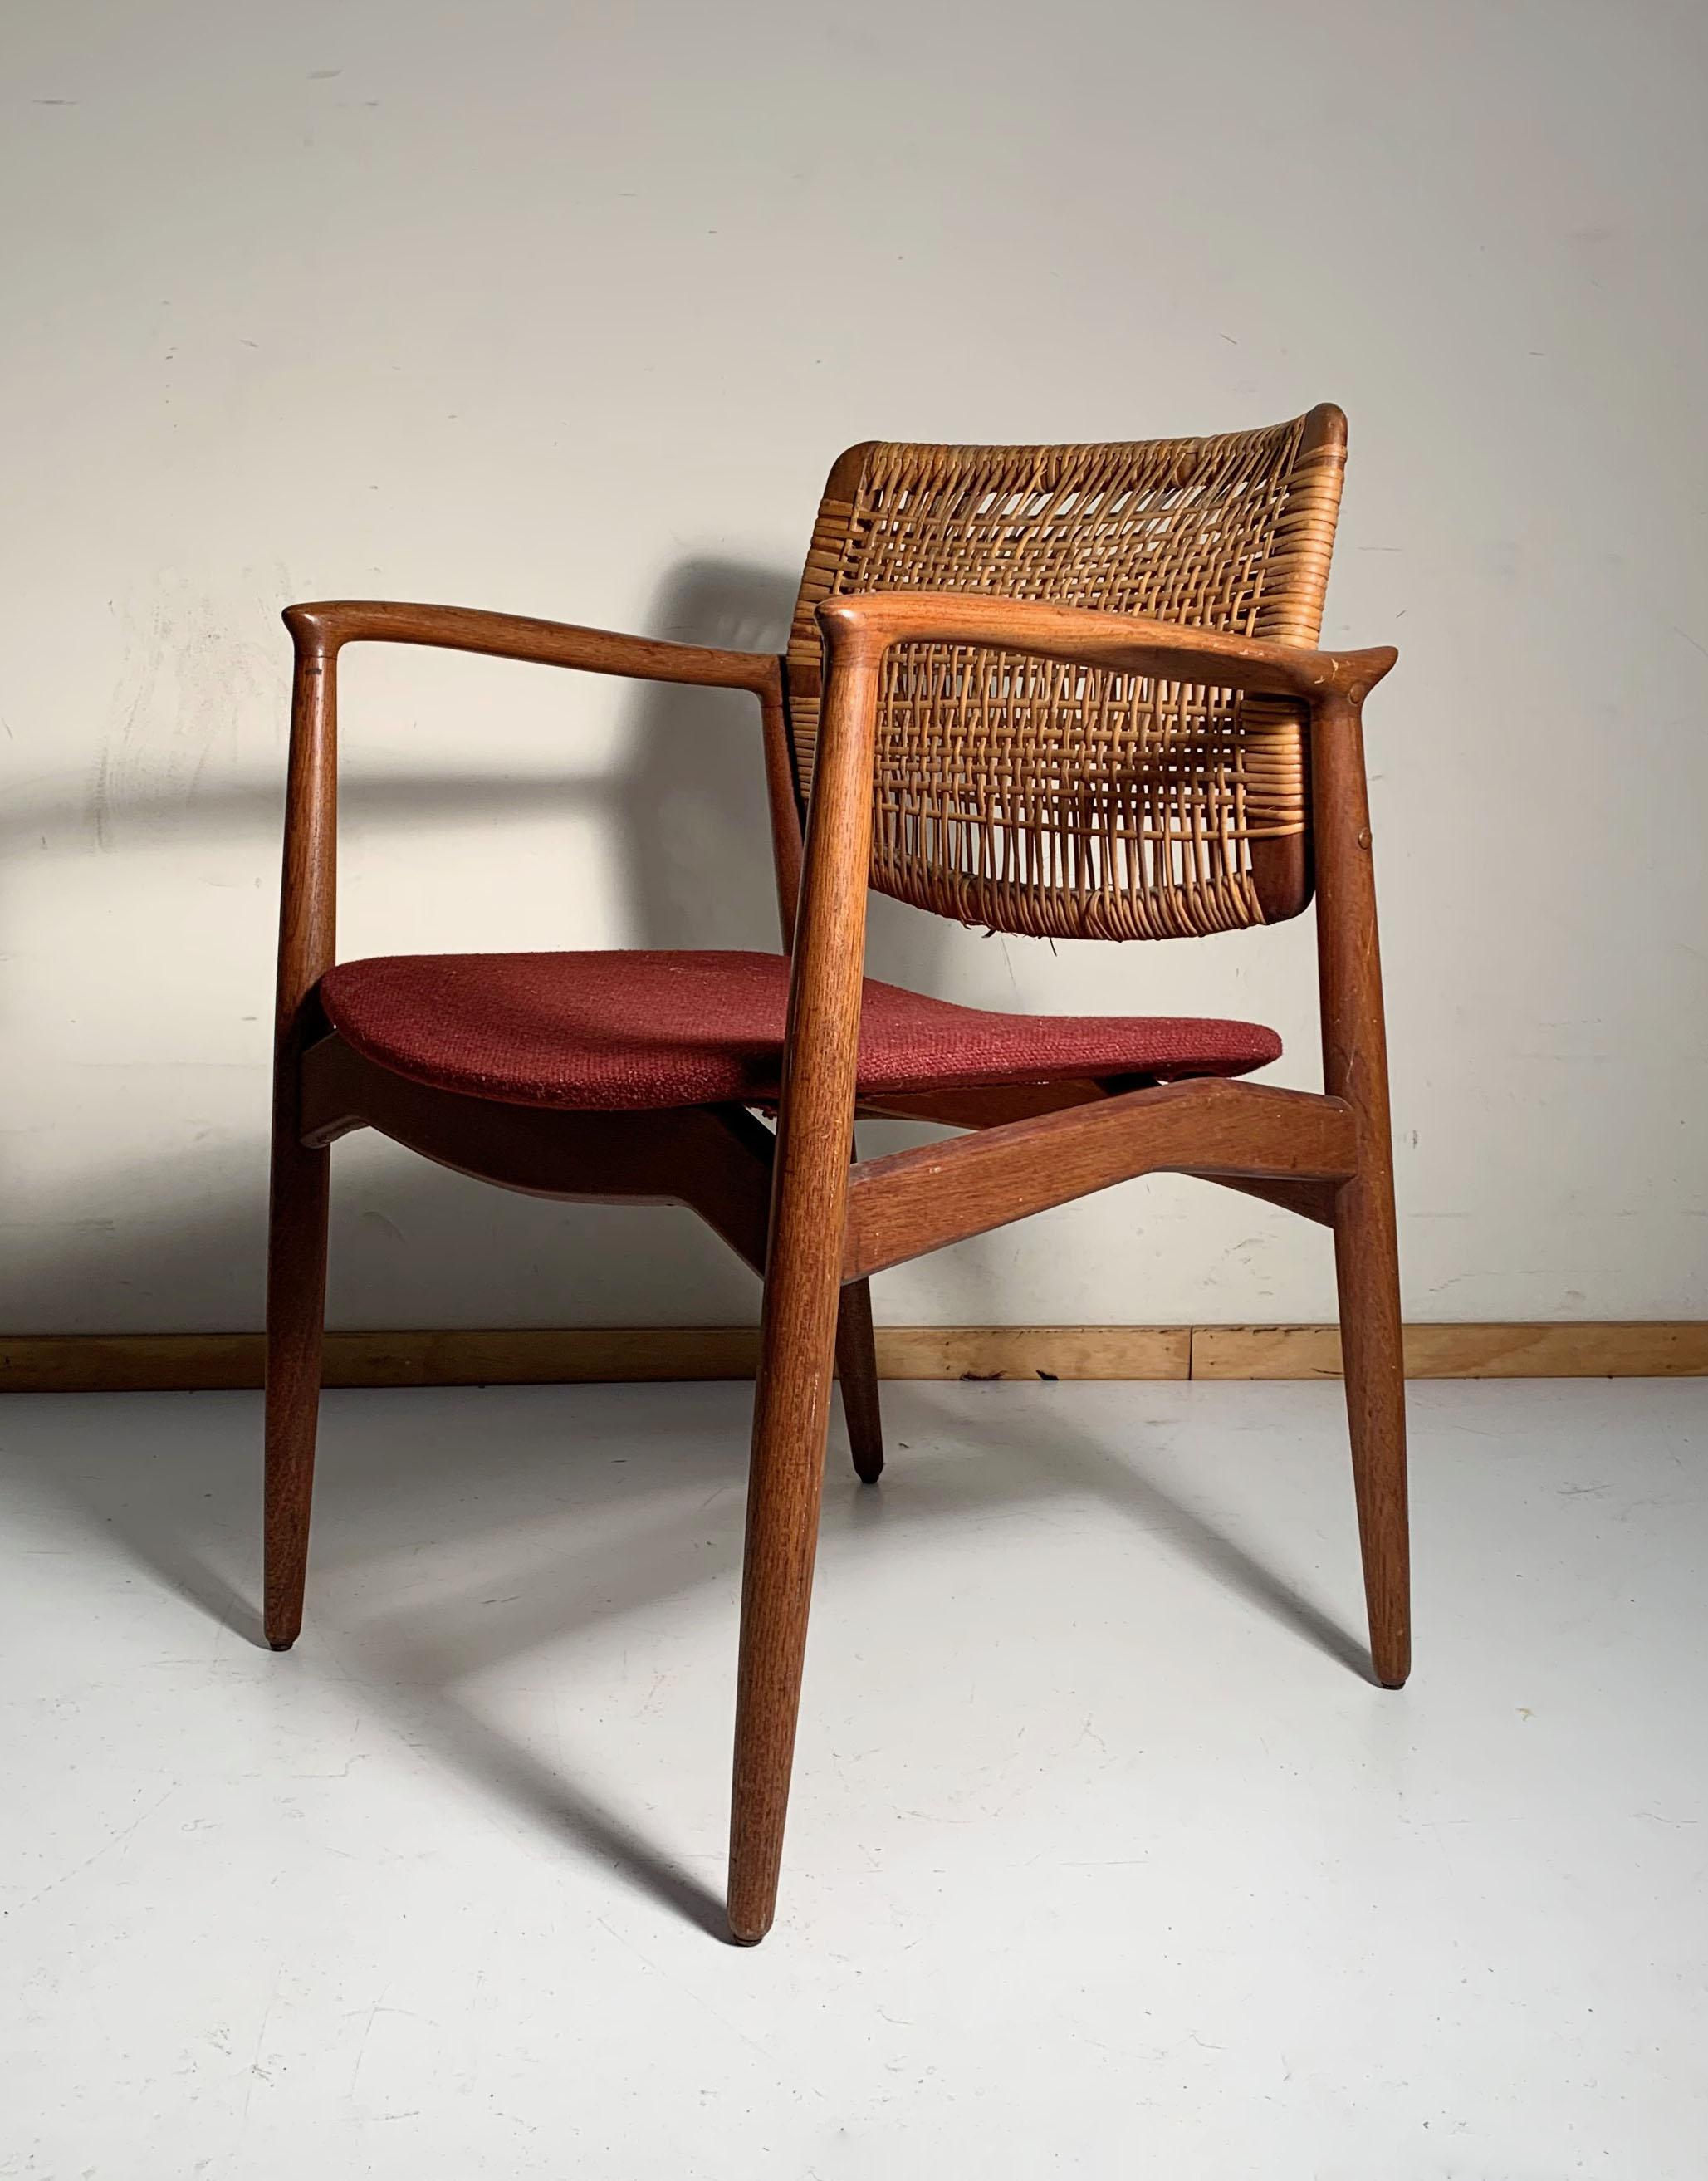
811 1223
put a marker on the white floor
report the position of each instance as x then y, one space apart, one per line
1105 1858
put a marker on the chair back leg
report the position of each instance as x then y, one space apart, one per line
1367 1274
296 1322
1355 1067
857 1372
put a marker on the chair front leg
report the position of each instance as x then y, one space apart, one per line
297 1205
792 1397
295 1317
804 1277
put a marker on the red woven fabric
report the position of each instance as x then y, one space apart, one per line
619 1032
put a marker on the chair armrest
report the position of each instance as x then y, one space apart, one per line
867 624
323 628
320 630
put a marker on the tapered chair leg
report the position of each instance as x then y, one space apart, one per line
786 1477
1367 1271
803 1282
856 1372
783 1499
295 1318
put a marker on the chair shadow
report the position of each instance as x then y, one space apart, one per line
1204 1546
684 804
558 1806
417 1663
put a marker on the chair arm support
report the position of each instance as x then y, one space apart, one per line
868 624
319 631
323 628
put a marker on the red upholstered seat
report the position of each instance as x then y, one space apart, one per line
617 1032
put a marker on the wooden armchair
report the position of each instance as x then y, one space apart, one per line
1065 691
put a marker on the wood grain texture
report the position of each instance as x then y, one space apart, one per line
1025 1353
1605 1349
714 1159
803 1280
857 1374
1355 1068
299 1173
917 1200
215 1362
328 625
1120 643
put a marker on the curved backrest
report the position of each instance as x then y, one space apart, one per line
1039 799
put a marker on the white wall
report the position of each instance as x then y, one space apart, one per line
566 309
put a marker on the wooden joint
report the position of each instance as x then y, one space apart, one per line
915 1201
716 1160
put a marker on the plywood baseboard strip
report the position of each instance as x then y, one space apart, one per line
157 1362
1678 1348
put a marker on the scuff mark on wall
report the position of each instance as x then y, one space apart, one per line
189 678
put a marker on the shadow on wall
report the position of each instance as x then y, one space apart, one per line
686 815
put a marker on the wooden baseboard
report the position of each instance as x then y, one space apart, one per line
160 1362
1634 1350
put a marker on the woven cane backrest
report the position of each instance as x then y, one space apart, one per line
1034 798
